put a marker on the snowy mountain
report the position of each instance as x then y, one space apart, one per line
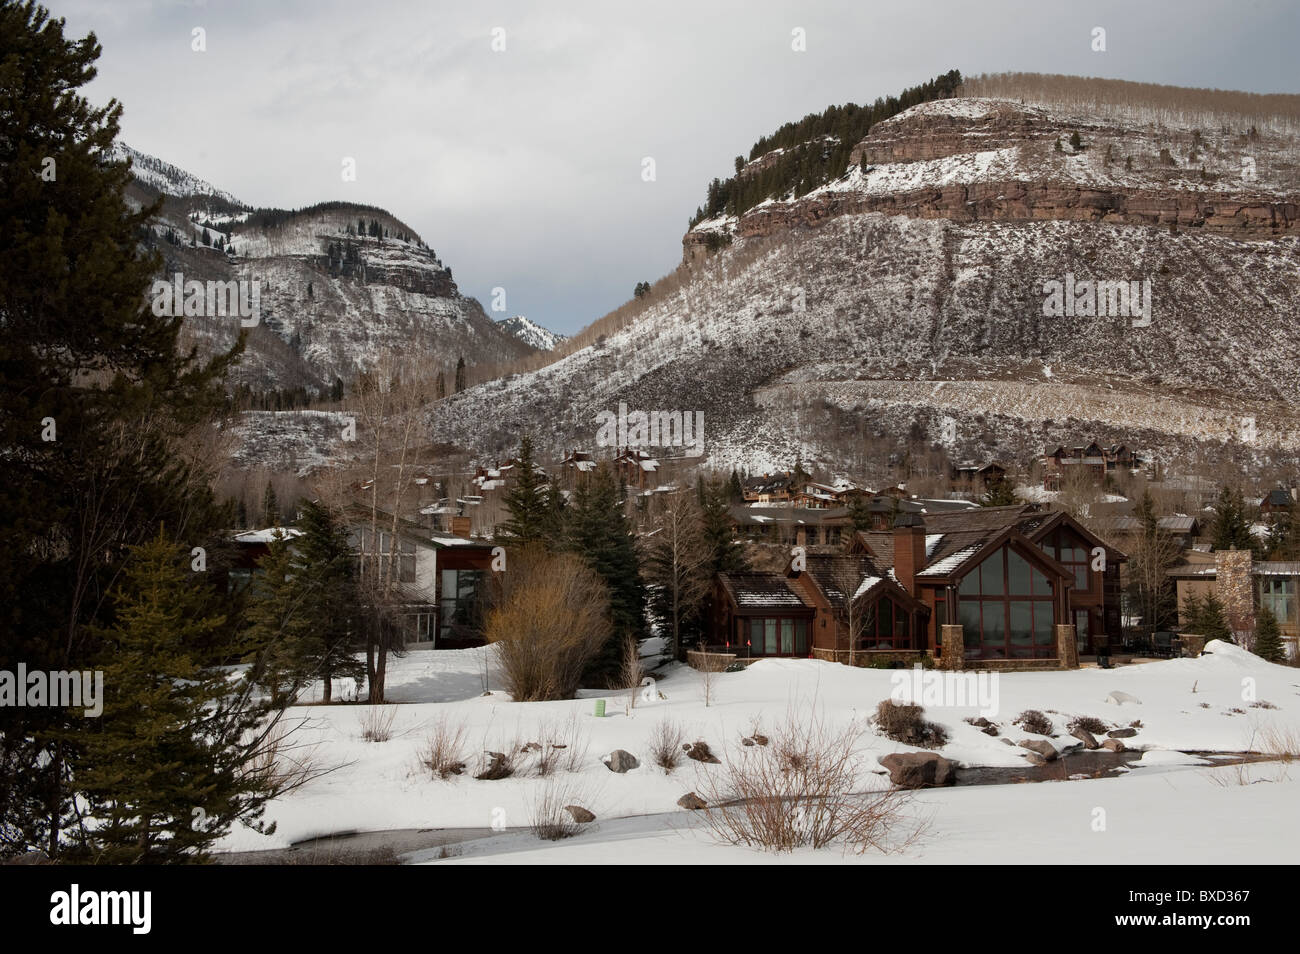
339 284
531 333
911 297
166 178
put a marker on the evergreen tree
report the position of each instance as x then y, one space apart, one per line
735 489
1000 493
270 505
326 574
528 501
460 374
170 738
1214 620
275 625
1230 529
441 386
96 396
719 529
599 531
1268 637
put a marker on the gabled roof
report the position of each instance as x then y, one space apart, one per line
759 591
834 574
957 538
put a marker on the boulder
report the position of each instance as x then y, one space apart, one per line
692 802
1033 758
919 769
1087 738
498 767
1042 747
1125 733
699 751
1114 745
621 761
579 814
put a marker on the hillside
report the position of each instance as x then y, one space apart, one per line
911 290
531 333
333 296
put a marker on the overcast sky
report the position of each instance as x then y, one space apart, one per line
522 168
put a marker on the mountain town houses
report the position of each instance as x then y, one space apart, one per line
838 571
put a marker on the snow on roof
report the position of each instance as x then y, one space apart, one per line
867 585
267 535
449 541
932 541
952 561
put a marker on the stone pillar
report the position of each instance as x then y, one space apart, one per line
1067 647
952 642
1232 579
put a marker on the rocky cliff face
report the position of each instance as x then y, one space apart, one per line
331 300
908 299
971 160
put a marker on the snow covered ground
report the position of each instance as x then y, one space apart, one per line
1166 807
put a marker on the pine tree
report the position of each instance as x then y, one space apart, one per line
1000 493
1268 637
719 529
1230 529
270 505
275 625
460 374
160 768
599 531
81 351
325 570
1214 620
529 505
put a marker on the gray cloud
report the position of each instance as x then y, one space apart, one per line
522 168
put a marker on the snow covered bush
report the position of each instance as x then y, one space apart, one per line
1034 722
801 791
666 740
904 722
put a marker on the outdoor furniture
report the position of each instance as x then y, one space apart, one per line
1164 644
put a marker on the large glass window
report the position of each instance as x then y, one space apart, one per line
1072 551
884 625
1278 594
778 636
1006 607
460 599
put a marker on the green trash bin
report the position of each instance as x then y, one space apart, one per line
600 708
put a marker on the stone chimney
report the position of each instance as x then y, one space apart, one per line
1236 589
909 549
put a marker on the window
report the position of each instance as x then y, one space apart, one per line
1072 551
1277 593
1006 607
376 553
778 636
884 625
459 601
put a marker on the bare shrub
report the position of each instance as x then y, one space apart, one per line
798 792
1087 723
666 741
278 763
904 722
548 818
548 622
631 672
444 750
1034 722
377 723
563 746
